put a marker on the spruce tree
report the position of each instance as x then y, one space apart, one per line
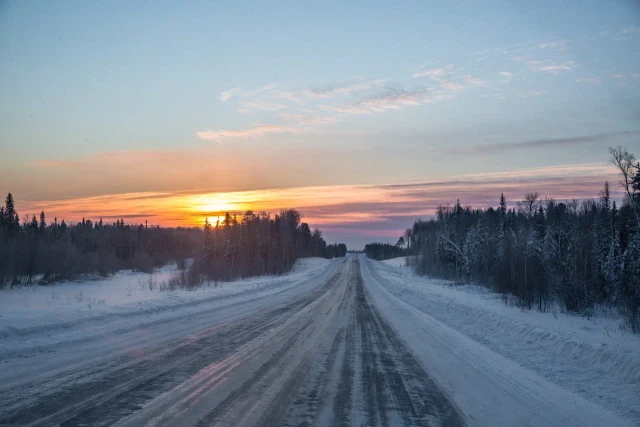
43 223
11 218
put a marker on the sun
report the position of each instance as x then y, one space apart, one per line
210 204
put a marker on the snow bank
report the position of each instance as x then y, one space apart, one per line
396 262
592 357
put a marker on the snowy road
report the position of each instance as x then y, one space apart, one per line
332 349
325 357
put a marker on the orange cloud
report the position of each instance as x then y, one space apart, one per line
365 210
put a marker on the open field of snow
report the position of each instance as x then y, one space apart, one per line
544 356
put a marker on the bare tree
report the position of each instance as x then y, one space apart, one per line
629 167
530 204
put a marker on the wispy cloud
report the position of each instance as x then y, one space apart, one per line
342 88
506 77
559 45
494 95
242 92
437 74
588 80
628 30
255 132
623 77
550 142
228 94
472 81
445 77
345 109
526 47
251 106
390 99
551 67
394 98
530 93
307 120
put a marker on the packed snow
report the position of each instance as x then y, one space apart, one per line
573 359
30 314
498 364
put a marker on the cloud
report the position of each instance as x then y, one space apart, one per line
255 132
444 76
588 80
451 86
390 99
551 67
472 81
365 210
494 95
437 74
344 109
526 47
394 98
506 76
559 45
228 94
551 142
531 93
623 77
241 92
631 29
342 88
251 106
269 97
307 120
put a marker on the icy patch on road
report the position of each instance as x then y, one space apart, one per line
592 357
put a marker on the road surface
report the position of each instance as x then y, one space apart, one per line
325 356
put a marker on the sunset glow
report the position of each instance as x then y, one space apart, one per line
371 211
363 133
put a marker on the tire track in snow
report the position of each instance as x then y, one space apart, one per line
325 358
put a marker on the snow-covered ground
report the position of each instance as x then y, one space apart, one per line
396 262
350 341
502 364
39 315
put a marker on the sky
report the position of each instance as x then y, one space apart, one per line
363 115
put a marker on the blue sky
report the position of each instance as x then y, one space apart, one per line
297 94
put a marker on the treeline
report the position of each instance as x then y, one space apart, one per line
382 251
253 245
55 251
580 253
259 244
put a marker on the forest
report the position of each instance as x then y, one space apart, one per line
260 244
578 253
40 251
382 251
